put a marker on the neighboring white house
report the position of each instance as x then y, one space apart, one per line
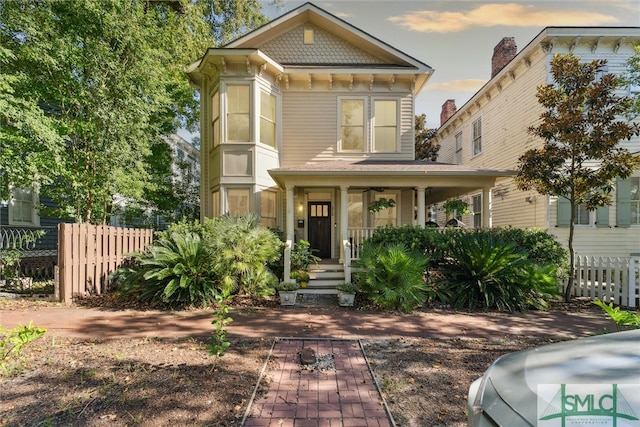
308 120
185 169
490 131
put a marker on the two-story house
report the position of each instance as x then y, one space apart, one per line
306 122
490 131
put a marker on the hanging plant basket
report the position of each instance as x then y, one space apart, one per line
381 204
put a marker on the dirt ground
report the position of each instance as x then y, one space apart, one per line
63 381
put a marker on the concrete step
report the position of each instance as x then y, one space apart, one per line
324 275
318 291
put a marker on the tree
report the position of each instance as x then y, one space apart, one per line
581 128
426 147
93 84
633 79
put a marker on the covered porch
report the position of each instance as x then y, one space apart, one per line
328 203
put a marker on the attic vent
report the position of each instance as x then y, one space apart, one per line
308 36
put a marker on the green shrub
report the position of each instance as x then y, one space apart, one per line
241 249
427 241
174 272
485 271
393 276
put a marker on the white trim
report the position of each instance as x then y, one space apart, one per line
373 124
365 123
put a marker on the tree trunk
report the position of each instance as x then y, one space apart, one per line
569 288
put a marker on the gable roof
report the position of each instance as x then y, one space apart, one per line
309 13
545 41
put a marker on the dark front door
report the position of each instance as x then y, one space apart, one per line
320 228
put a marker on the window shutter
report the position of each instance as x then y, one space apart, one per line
602 217
623 203
564 212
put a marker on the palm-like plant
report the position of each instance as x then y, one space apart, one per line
174 272
486 271
241 250
393 276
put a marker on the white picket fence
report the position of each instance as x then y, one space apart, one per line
610 279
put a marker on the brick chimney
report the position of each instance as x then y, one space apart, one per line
502 54
448 109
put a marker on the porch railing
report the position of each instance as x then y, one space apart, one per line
356 237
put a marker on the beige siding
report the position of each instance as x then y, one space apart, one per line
310 126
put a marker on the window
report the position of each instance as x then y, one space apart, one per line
268 119
352 125
238 201
22 207
385 125
458 155
582 216
238 106
215 118
385 216
477 211
215 204
308 36
268 209
354 209
477 137
635 200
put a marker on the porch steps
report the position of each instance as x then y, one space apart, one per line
324 277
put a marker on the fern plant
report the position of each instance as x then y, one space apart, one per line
393 276
623 319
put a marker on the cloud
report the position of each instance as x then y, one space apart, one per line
468 85
494 14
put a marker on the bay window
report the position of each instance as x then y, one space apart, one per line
268 119
238 113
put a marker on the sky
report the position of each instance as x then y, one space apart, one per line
457 37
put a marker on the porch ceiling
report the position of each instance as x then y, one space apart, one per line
444 179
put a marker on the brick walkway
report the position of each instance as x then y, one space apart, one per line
346 396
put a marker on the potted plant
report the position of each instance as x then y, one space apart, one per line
287 292
346 294
302 277
302 255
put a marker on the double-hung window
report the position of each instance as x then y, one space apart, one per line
268 209
458 155
352 129
238 113
385 125
238 201
582 216
22 207
268 119
215 118
477 211
477 137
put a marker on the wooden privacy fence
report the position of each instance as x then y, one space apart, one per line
87 254
609 279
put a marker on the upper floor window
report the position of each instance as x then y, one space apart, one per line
352 125
477 137
385 125
238 117
268 119
22 207
458 154
215 118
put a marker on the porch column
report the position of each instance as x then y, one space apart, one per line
290 234
486 207
421 206
345 248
